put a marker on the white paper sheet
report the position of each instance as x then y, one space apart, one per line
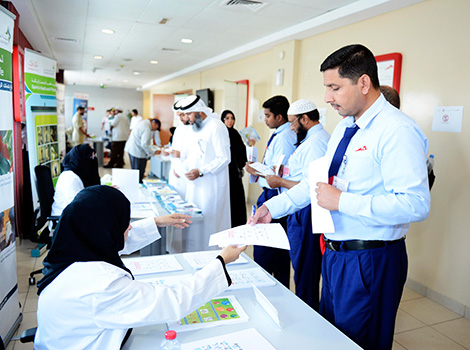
267 306
262 169
152 264
247 339
448 119
246 278
198 260
127 180
168 280
321 217
268 235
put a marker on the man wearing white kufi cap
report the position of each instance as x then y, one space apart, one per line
305 251
206 159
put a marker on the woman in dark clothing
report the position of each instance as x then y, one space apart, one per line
235 171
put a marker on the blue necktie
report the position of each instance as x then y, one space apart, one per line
340 150
271 139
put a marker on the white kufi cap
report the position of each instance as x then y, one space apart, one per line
301 107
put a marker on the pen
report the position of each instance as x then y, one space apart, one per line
253 211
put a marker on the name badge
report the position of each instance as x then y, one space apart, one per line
285 171
341 184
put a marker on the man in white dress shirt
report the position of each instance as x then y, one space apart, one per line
138 145
120 130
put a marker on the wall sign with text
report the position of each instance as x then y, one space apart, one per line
389 67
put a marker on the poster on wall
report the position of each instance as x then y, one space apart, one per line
9 311
41 115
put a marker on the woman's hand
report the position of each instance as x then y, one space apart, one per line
176 220
231 253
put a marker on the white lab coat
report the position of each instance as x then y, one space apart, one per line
67 186
90 305
208 150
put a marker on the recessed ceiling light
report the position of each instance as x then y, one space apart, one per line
154 62
125 80
186 41
107 31
98 57
136 73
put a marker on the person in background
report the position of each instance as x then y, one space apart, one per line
282 142
172 132
80 171
304 252
78 127
378 186
138 145
156 132
391 95
134 119
120 133
235 170
88 298
105 123
206 157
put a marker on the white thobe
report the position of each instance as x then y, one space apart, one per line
208 150
174 238
90 305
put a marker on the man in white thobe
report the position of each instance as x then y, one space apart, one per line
206 158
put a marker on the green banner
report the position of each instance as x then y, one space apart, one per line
39 84
5 65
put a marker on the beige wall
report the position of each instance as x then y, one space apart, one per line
433 39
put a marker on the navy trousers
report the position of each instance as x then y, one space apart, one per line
139 164
275 261
305 255
361 292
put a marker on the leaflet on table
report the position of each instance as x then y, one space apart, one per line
143 210
197 260
167 280
247 339
249 133
225 310
321 217
241 279
152 264
268 235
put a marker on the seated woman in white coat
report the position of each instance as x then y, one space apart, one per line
80 171
88 299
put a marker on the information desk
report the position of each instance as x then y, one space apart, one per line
302 327
158 209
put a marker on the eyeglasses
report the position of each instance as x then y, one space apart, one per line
296 120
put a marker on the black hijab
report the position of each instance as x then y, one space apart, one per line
91 228
79 161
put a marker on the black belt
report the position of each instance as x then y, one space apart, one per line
358 244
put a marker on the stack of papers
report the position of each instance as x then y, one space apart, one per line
268 235
197 260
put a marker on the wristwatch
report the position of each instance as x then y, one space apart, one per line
200 174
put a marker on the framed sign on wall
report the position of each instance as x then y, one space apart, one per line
389 67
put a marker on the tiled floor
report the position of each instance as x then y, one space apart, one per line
421 323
